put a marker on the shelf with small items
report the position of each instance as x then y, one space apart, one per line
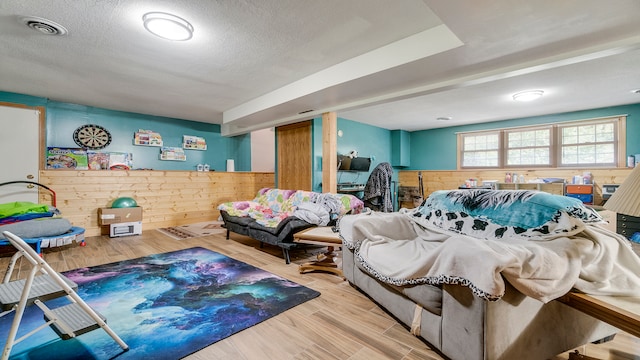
168 153
147 138
193 143
552 188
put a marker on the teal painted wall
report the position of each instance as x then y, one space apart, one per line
430 149
62 119
369 141
22 99
400 148
436 149
316 149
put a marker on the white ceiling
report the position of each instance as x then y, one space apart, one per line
396 64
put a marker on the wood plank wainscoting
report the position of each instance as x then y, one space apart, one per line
171 198
168 198
446 180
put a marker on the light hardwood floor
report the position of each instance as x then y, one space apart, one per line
340 324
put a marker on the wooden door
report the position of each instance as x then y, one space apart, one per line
294 156
21 149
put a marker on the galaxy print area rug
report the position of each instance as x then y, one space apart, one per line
163 306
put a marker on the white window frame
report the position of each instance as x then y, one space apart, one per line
550 146
616 133
555 144
463 151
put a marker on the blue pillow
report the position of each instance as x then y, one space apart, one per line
503 213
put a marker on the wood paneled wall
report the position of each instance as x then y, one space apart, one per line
168 198
446 180
171 198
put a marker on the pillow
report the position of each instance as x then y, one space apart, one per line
37 228
500 214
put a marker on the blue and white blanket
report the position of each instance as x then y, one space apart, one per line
542 244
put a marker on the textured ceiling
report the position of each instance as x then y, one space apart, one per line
393 64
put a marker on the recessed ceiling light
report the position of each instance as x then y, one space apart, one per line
528 95
444 118
167 26
636 91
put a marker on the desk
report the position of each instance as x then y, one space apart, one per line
322 235
619 311
351 189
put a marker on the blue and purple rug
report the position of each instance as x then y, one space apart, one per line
163 306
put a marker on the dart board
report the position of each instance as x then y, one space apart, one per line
92 137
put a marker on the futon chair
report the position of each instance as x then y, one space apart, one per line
43 284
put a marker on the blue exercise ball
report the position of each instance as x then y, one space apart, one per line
124 202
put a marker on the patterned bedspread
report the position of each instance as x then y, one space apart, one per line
271 206
454 244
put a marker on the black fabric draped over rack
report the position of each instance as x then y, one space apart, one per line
377 191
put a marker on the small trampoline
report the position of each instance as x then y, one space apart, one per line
76 234
67 236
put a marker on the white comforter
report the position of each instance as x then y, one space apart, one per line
395 249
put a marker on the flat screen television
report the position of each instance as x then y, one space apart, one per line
345 163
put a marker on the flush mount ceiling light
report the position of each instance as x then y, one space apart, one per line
44 26
167 26
528 95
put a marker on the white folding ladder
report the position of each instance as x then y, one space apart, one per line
43 284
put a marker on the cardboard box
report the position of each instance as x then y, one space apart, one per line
67 158
125 229
108 216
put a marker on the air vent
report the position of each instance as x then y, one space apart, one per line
44 26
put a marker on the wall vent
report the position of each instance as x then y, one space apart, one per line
44 26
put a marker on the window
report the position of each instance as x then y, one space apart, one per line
588 144
593 143
481 150
531 147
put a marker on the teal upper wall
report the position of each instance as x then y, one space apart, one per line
370 141
22 99
316 161
436 149
62 119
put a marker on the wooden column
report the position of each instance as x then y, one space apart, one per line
329 152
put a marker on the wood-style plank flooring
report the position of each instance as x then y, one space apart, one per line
340 324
